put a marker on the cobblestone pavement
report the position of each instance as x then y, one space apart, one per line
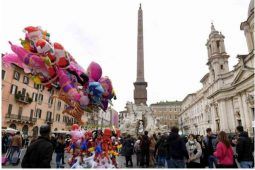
121 161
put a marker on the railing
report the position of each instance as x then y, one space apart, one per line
23 98
20 117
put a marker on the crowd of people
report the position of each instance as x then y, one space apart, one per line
39 150
161 151
193 151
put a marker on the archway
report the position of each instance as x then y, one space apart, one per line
13 126
35 131
25 129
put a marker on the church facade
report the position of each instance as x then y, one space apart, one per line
226 99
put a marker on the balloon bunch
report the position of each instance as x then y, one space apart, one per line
93 149
50 65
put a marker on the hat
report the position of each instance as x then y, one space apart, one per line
33 31
45 129
59 50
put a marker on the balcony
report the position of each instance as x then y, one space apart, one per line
25 99
20 119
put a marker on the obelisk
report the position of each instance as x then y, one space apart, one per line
140 92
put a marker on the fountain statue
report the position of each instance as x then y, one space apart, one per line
139 119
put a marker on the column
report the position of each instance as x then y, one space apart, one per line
223 116
213 123
241 111
231 115
248 117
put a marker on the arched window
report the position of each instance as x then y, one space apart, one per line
35 131
25 129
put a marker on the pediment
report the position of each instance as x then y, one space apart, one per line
240 76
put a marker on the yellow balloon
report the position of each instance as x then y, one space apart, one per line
91 149
36 80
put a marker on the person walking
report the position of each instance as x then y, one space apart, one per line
224 152
176 150
202 158
161 148
194 151
210 142
39 153
16 145
152 150
137 149
4 142
145 150
129 148
244 149
60 148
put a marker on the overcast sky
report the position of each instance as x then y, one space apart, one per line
175 33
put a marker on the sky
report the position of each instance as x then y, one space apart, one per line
105 31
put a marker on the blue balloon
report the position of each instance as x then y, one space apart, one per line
99 149
84 145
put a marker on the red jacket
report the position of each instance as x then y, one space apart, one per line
224 154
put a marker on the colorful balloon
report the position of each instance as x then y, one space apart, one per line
94 71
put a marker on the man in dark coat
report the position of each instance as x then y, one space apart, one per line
39 153
210 142
129 148
244 149
176 150
145 150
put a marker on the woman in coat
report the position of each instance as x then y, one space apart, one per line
224 151
194 151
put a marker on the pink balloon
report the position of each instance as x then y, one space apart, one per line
107 86
94 71
84 101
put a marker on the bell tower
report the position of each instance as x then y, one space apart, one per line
217 56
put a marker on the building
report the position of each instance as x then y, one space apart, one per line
226 99
167 112
26 106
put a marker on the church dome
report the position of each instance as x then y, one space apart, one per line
251 7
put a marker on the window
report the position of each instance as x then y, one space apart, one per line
48 116
218 44
16 75
3 74
10 109
64 119
34 96
40 98
25 80
23 92
14 89
36 86
58 117
50 101
221 67
38 113
59 105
